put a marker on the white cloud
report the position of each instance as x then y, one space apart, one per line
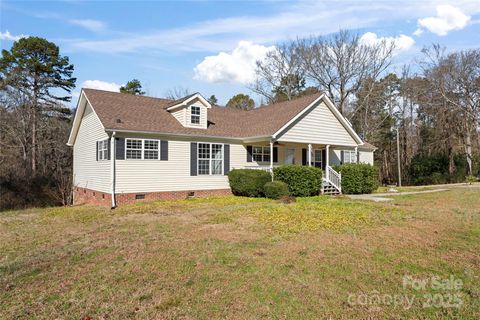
101 85
8 36
448 18
291 19
92 25
236 66
402 42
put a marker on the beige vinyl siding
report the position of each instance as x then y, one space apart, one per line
366 157
319 126
134 176
87 171
180 115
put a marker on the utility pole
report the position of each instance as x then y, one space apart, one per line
398 160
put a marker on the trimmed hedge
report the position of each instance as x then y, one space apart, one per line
302 181
275 189
248 182
358 178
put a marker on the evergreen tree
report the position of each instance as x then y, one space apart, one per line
132 87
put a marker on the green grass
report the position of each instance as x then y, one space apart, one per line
233 257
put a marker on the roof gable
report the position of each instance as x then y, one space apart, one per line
317 125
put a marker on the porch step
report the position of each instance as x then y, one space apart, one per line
329 189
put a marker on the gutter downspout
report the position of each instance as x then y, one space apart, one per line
112 168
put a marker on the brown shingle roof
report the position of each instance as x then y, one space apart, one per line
368 146
147 114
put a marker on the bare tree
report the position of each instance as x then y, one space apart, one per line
280 76
177 93
454 79
340 64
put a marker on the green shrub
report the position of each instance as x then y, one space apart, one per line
358 178
302 181
248 182
275 189
471 179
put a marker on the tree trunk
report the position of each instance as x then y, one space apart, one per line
468 151
34 140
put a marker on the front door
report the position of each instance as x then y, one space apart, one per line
289 156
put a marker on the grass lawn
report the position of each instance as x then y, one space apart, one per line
245 259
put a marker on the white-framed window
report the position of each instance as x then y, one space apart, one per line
349 156
317 158
102 150
142 149
261 154
194 115
210 159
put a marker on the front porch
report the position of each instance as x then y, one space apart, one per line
268 155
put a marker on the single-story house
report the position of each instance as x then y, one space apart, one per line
129 147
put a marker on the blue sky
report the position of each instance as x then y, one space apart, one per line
211 46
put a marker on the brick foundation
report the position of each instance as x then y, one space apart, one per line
88 196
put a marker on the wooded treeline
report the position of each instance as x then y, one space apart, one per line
433 105
35 162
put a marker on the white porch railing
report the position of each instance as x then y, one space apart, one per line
263 168
334 177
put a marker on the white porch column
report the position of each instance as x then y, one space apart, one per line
356 155
309 157
271 158
327 155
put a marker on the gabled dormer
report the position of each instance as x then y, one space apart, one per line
191 111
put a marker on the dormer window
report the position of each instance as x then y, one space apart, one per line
191 111
195 115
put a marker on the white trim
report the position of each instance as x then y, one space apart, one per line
327 156
350 153
210 159
142 149
199 115
187 101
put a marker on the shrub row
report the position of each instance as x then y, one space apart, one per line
358 178
298 181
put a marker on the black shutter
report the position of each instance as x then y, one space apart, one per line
96 152
108 148
164 150
304 157
324 159
249 153
226 159
120 148
342 157
275 154
193 158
